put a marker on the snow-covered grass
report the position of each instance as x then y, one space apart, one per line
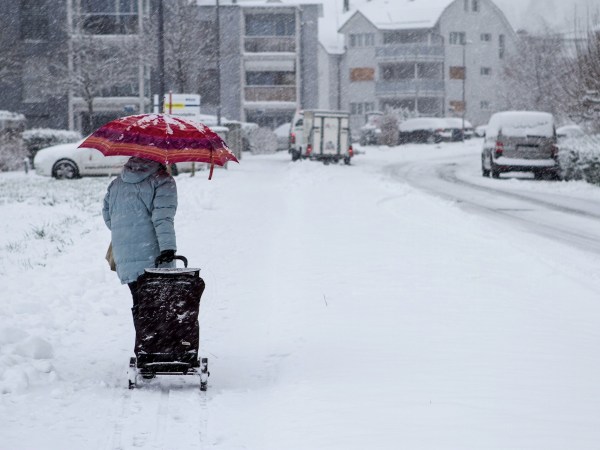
343 310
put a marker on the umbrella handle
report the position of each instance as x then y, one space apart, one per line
212 165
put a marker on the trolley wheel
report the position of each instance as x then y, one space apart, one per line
132 373
204 374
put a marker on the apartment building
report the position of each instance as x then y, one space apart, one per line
434 57
267 68
269 60
63 49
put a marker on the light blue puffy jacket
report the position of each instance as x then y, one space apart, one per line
139 209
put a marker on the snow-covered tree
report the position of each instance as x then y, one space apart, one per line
583 85
533 74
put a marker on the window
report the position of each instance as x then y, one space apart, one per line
398 72
362 74
34 21
485 105
430 71
270 25
486 71
457 106
109 16
457 73
35 76
361 108
458 38
486 37
362 40
501 46
405 37
270 79
475 5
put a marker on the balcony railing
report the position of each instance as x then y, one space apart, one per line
270 44
270 94
410 52
434 88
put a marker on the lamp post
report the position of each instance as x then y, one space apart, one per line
218 55
161 58
464 79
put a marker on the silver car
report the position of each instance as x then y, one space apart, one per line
520 141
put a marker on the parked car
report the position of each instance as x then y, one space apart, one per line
370 132
321 135
67 161
423 130
569 131
523 141
455 125
283 136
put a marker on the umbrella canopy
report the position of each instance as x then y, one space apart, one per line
162 138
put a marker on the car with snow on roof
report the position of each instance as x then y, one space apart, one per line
520 141
423 130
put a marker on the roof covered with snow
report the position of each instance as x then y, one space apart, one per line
402 14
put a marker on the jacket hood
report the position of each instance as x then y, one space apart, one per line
138 169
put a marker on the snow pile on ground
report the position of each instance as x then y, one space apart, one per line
579 158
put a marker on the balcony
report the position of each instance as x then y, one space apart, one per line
270 44
270 94
429 88
410 52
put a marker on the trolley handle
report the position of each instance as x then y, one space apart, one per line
179 257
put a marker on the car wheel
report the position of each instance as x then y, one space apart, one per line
65 169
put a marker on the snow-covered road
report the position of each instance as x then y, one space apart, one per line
564 213
346 308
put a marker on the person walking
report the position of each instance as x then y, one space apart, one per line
139 210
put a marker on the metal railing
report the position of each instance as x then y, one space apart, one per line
411 87
410 52
269 44
270 94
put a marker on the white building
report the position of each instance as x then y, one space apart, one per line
435 57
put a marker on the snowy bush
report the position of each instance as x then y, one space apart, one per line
579 159
38 138
262 140
12 151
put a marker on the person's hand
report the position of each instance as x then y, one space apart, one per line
166 256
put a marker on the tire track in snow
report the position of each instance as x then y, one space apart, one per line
542 217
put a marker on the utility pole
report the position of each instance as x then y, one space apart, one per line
161 58
218 21
464 105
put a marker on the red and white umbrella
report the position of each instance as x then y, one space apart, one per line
161 137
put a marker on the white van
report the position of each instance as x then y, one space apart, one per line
321 135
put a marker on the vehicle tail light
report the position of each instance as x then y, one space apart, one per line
308 149
293 138
499 150
554 151
350 151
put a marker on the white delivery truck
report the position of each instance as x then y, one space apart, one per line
321 135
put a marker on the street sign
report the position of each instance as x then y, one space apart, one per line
181 105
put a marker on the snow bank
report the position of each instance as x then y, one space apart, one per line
579 158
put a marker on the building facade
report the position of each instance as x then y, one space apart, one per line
436 58
268 65
269 60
